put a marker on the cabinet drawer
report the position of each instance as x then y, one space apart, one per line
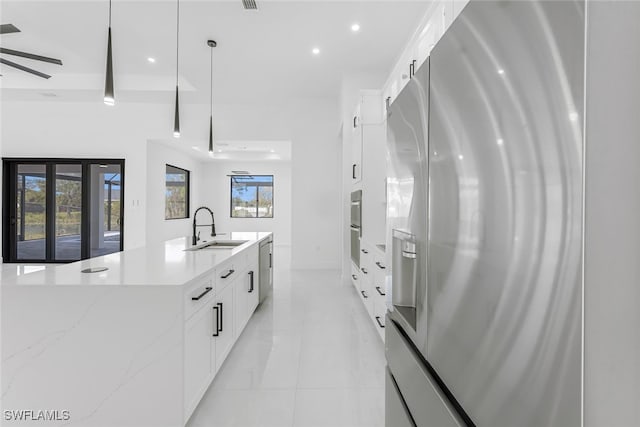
197 294
225 274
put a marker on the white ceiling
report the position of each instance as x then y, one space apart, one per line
262 56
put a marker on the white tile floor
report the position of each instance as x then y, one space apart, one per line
308 357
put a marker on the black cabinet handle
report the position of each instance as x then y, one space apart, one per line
251 283
353 171
380 265
363 294
364 270
354 277
414 67
216 333
380 291
206 291
379 323
411 70
224 276
364 251
388 104
354 121
221 315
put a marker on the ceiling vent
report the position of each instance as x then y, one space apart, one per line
250 4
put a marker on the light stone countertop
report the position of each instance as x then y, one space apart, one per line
165 264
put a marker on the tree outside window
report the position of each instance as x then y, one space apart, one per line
252 196
176 193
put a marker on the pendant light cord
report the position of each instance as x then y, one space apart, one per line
109 13
211 86
177 37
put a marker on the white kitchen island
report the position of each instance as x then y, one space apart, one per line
135 345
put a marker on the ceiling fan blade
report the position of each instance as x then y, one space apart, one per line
23 68
8 29
30 56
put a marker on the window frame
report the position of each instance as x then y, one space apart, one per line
187 195
231 177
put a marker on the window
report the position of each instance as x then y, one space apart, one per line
61 210
177 193
252 196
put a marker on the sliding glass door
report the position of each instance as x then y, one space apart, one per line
61 210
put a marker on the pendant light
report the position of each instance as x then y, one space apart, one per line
176 119
109 97
211 44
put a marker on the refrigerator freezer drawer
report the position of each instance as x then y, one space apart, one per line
396 412
427 405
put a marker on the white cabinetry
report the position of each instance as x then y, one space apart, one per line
223 337
369 282
246 293
367 112
199 330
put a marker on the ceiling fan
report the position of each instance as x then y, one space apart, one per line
10 28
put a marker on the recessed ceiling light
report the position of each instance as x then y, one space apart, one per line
573 116
152 60
273 151
461 157
195 147
315 51
500 71
500 141
355 27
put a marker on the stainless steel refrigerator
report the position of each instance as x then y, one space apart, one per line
485 223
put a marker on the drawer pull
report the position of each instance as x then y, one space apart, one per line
354 277
224 276
380 265
380 291
364 270
379 323
363 294
206 291
251 284
364 251
217 325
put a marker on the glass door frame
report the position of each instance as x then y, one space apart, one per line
9 206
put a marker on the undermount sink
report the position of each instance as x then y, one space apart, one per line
218 244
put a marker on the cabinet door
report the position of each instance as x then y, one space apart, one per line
356 148
222 343
240 303
198 356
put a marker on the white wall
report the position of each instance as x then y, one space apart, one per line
87 130
159 229
216 194
317 183
60 129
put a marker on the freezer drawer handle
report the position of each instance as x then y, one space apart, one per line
270 260
251 283
380 291
206 291
363 294
380 265
353 171
408 254
364 251
364 270
216 333
379 323
229 273
354 277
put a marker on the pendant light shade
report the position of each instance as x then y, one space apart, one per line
211 44
211 134
109 97
176 119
